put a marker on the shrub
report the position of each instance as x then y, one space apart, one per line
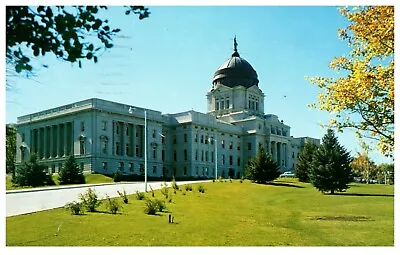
174 185
112 205
262 168
151 207
71 173
241 179
184 193
117 176
160 205
188 187
152 191
74 207
139 195
213 180
201 188
124 196
164 190
170 199
220 178
32 173
90 200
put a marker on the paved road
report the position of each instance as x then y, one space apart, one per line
33 200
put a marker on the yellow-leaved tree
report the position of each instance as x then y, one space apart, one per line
361 95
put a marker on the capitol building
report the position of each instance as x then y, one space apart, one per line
105 136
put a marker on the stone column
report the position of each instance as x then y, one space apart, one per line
55 141
59 141
40 154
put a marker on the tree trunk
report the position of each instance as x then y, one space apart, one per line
332 191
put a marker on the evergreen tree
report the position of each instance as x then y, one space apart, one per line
262 168
32 173
70 172
304 162
331 169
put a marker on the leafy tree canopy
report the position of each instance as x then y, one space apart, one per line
70 33
363 98
11 143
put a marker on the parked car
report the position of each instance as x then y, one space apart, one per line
287 174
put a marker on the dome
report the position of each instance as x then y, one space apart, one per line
235 71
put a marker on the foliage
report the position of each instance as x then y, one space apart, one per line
71 173
90 200
152 191
11 147
140 195
331 169
124 196
201 188
188 187
117 176
174 185
220 178
241 179
262 168
75 208
151 206
304 162
363 98
71 33
160 205
112 205
164 190
32 173
363 166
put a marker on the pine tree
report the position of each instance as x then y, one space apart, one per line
70 172
331 169
304 162
262 168
32 173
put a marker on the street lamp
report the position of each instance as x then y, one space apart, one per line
145 145
216 158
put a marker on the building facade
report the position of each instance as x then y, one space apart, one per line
106 136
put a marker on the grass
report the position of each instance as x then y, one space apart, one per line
90 179
288 213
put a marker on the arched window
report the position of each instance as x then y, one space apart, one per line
104 144
82 146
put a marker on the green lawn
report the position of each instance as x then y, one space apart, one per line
227 214
90 179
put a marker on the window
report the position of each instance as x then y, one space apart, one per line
222 105
212 156
185 138
185 154
174 139
141 168
127 149
249 104
131 167
256 106
197 170
174 170
162 139
82 126
104 143
230 145
249 146
117 128
22 137
137 150
154 133
216 105
238 146
104 125
212 140
127 130
227 104
121 166
174 155
206 156
202 155
117 148
238 161
293 154
202 139
223 159
230 160
223 144
163 155
195 138
154 169
253 105
154 152
184 170
206 140
196 156
104 165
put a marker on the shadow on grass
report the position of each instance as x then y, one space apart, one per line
282 184
361 195
105 212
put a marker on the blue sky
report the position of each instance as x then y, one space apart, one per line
167 61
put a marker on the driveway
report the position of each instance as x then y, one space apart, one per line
33 200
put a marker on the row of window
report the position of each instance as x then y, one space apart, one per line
221 104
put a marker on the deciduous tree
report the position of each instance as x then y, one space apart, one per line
362 98
331 169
